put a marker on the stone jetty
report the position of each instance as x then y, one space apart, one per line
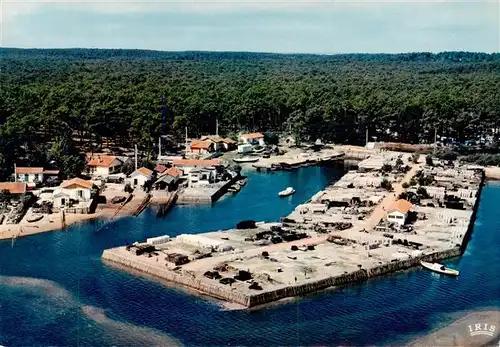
343 234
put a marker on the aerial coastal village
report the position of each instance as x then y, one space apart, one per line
394 211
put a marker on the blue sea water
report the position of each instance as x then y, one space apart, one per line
55 290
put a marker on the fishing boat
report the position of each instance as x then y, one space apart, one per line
34 218
235 188
287 192
439 268
243 182
246 160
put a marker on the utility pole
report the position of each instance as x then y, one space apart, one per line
216 127
136 156
435 140
159 147
366 137
15 174
186 140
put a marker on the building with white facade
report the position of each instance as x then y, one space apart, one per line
398 212
139 177
100 165
33 175
76 193
253 139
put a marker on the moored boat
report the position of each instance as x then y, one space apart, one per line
246 160
287 192
439 268
235 188
34 218
243 182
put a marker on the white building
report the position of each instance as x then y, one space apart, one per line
186 165
33 174
245 148
73 192
398 212
139 177
201 177
253 139
104 165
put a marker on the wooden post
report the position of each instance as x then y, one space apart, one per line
135 156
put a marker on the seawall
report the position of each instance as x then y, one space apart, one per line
249 300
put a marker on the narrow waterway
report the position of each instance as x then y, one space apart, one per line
55 290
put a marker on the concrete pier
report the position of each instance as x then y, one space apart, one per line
340 236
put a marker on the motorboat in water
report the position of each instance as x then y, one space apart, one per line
287 192
440 268
246 160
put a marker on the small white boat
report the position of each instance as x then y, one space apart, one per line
246 160
235 188
439 268
287 192
243 182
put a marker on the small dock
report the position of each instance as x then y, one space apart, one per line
204 194
293 162
143 205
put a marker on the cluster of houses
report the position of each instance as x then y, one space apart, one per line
77 194
211 144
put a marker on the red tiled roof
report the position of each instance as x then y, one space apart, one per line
13 187
401 205
173 171
101 160
28 170
229 141
201 144
213 138
144 171
194 162
76 182
51 172
253 136
160 168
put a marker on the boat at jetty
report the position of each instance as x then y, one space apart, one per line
440 268
235 188
287 192
34 218
246 160
243 182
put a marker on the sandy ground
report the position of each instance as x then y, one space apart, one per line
464 332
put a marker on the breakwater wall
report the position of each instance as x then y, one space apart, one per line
249 299
472 219
353 277
217 291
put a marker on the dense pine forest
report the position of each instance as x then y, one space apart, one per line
52 101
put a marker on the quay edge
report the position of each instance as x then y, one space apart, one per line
246 300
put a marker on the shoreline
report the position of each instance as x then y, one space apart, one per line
462 331
53 221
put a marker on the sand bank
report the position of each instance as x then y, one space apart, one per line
480 328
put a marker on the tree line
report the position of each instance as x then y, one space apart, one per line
55 104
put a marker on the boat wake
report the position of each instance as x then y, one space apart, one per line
45 294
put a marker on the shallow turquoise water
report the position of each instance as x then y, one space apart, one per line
55 290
